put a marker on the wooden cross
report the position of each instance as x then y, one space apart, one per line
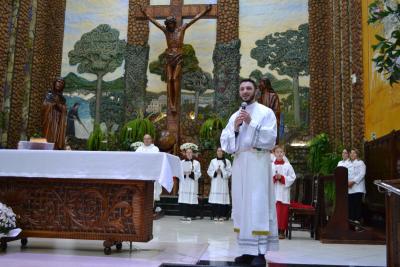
179 10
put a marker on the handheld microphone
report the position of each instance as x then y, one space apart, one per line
243 107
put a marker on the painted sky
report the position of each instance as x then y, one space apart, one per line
258 18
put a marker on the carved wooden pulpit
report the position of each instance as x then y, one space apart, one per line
392 204
338 229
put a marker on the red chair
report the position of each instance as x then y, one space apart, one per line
302 216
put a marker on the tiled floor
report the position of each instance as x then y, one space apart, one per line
183 242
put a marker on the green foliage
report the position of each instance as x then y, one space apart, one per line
111 110
210 133
285 52
283 86
322 160
74 82
97 140
37 135
388 48
99 51
134 130
319 146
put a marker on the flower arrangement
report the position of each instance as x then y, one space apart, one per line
136 145
7 220
387 12
192 146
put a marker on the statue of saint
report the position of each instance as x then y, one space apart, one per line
270 99
174 35
54 111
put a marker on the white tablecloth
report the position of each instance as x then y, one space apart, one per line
91 165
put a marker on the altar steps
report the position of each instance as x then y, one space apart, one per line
170 206
232 264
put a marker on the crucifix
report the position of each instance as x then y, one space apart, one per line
174 31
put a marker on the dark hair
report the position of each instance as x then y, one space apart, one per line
170 19
249 80
59 79
223 157
267 83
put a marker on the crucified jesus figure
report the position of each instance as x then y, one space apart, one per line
174 53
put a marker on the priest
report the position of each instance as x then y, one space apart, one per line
149 147
250 134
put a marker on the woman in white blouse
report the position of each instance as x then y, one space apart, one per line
219 172
356 185
345 159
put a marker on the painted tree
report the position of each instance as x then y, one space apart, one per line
98 52
286 53
197 81
193 77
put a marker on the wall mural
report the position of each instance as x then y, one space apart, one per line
97 30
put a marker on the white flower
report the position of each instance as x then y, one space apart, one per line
7 218
192 146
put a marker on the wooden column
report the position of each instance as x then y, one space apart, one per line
335 33
5 31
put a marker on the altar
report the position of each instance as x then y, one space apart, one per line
83 194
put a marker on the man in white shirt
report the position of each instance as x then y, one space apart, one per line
149 147
251 134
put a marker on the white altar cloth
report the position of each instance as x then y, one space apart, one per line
91 165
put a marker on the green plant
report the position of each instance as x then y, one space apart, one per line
210 132
97 140
37 135
319 146
388 47
322 160
134 131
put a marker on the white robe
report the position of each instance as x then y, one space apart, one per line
157 186
219 192
357 174
282 191
189 188
344 163
253 197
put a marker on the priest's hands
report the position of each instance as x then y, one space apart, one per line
243 116
351 183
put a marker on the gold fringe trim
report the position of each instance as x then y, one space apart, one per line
261 233
237 230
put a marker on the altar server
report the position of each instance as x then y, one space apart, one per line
283 178
189 186
149 147
250 134
219 172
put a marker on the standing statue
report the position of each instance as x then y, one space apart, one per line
174 53
270 99
54 111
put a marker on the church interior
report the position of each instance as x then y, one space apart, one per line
119 144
